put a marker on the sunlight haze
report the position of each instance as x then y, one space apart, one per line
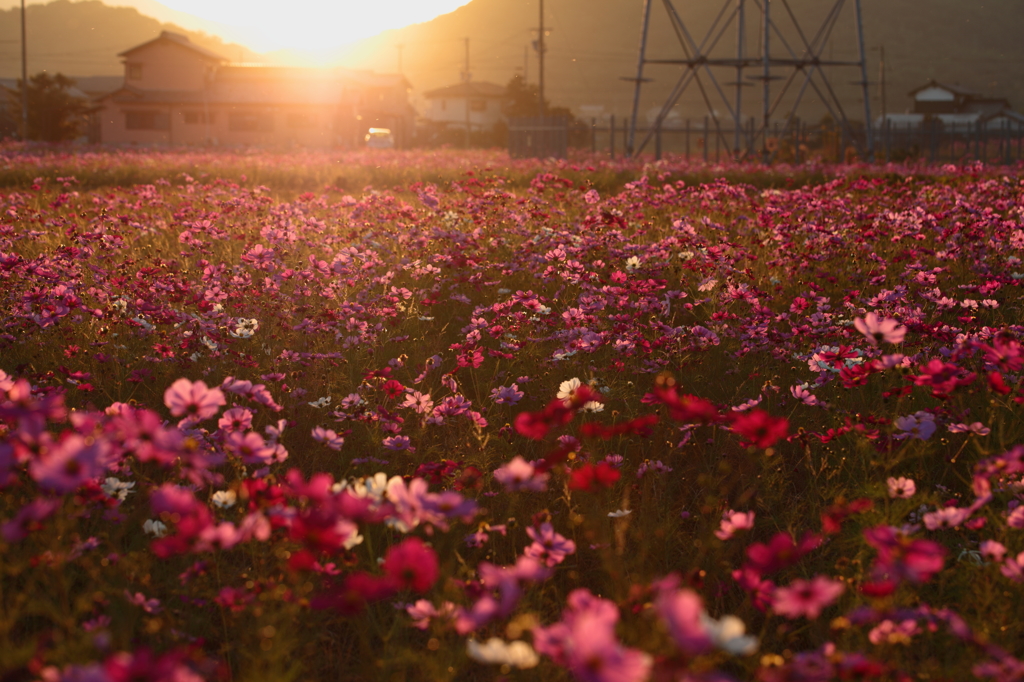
313 24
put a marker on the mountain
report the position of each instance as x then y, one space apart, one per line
84 38
593 44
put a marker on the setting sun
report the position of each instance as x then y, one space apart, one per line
312 24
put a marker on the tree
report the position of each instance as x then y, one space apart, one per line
521 99
54 114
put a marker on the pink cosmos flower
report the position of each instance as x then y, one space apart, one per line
806 597
1013 568
878 330
328 437
681 611
947 517
993 550
194 401
506 395
17 529
733 521
901 487
891 632
250 447
521 475
1015 519
584 642
974 427
68 464
421 403
236 419
548 546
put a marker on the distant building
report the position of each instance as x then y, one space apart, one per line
954 105
178 93
477 103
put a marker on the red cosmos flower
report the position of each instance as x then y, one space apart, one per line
943 377
535 425
832 519
685 408
590 477
780 552
640 426
996 383
393 388
760 428
352 596
411 565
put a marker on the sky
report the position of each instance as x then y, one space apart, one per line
308 25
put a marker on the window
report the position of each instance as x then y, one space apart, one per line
196 117
250 122
147 120
301 120
477 105
134 71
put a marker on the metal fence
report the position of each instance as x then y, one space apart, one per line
538 137
997 141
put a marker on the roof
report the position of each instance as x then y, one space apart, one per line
955 89
177 39
471 89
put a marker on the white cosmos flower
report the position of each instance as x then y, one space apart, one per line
498 652
245 328
322 402
619 513
224 499
154 528
373 487
117 488
729 634
567 388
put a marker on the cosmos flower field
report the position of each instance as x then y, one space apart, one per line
453 417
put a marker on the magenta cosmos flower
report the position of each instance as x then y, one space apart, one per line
411 565
194 401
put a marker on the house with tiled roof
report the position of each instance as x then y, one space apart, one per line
178 93
954 105
476 104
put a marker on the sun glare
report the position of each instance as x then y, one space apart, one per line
313 25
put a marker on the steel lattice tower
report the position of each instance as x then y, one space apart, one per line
801 58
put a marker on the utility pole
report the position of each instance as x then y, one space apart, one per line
24 77
540 60
881 81
465 81
526 64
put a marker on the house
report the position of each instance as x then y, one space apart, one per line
178 93
954 106
476 104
